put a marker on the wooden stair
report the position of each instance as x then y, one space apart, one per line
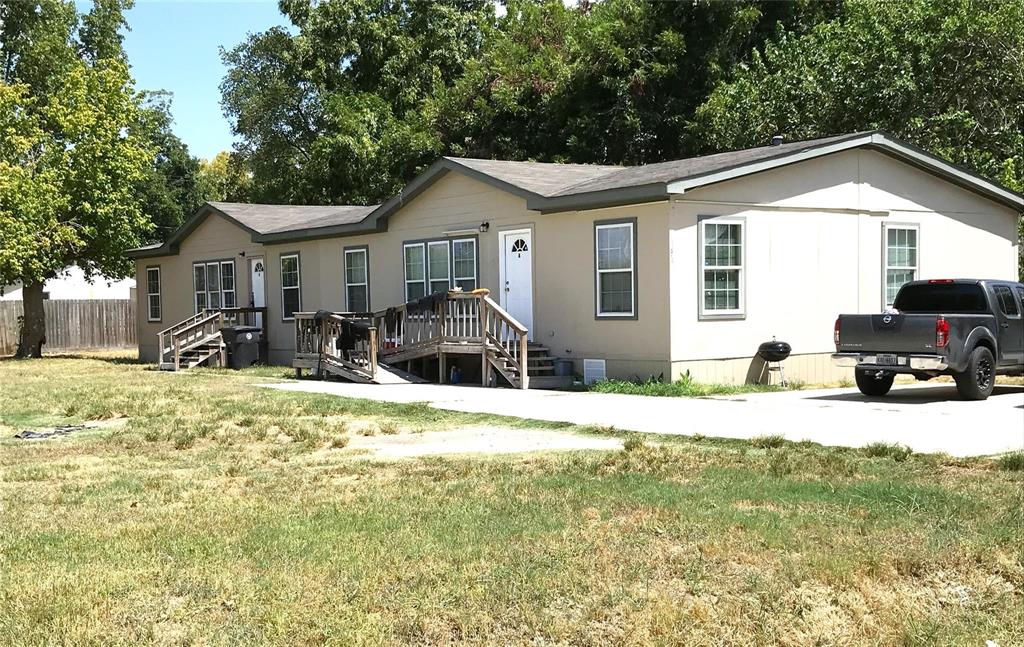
195 340
197 353
540 366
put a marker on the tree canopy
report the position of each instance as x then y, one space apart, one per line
360 95
363 94
947 75
73 149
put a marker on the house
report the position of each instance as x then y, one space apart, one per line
664 269
72 284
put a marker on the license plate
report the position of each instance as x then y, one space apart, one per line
886 360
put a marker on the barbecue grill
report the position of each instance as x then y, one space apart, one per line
774 352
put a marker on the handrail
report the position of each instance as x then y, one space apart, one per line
196 325
322 340
509 319
507 336
234 315
183 321
471 318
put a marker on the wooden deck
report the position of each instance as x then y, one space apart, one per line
355 345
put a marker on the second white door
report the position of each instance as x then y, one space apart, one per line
517 276
257 286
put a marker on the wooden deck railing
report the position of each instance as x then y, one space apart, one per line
165 338
456 323
471 318
203 325
507 336
346 338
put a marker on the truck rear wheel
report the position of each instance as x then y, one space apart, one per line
874 383
977 382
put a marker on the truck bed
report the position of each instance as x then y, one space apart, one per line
903 333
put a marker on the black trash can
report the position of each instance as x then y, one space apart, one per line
243 344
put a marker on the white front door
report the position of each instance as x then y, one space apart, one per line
257 286
517 276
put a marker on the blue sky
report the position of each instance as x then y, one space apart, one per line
174 45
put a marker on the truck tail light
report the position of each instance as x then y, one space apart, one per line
835 333
941 332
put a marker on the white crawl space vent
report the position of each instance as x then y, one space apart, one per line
593 371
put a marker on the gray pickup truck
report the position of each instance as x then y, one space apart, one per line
972 330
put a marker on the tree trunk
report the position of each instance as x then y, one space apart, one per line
33 326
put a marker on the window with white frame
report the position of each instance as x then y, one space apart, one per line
357 283
439 265
901 263
153 293
464 264
415 271
616 293
213 283
227 284
721 267
291 287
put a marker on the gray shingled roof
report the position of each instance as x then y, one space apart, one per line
541 178
551 188
675 170
277 218
549 180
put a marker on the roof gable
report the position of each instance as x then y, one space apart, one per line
552 188
266 223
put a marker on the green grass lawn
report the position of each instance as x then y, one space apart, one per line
684 387
222 513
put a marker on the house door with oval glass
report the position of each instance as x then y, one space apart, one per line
517 276
257 286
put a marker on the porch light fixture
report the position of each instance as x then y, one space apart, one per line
484 226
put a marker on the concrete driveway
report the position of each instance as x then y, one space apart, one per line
925 418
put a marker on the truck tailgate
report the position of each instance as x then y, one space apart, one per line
902 333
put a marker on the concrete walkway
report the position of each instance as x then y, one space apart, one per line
925 418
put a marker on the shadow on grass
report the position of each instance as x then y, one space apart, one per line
112 359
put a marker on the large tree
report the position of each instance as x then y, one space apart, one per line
611 82
331 113
73 149
362 94
225 178
173 187
947 75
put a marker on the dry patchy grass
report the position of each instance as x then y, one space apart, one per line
220 514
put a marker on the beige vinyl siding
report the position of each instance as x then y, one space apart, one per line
563 308
214 238
814 249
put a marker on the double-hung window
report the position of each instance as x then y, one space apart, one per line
153 293
438 266
721 260
615 247
291 289
464 264
357 281
901 262
213 283
415 271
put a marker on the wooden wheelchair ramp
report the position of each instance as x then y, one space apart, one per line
368 347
